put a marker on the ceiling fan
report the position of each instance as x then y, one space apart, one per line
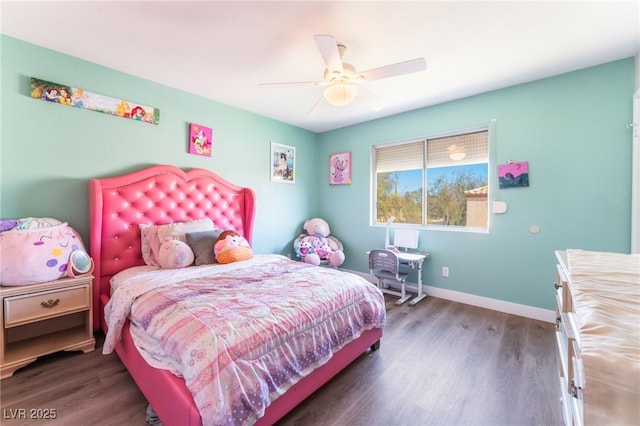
342 80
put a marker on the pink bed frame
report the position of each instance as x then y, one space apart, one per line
165 194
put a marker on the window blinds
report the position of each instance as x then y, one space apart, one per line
472 147
395 158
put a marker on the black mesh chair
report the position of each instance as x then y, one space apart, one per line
385 266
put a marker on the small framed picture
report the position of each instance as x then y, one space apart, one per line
283 163
340 168
513 175
200 140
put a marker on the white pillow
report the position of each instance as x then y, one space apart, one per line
147 234
152 236
179 229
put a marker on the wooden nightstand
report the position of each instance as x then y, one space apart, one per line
40 319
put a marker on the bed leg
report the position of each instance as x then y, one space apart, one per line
152 417
375 346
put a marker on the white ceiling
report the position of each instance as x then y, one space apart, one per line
224 50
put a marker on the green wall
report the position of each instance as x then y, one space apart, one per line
50 151
571 128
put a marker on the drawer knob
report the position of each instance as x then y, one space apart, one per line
557 286
573 389
50 303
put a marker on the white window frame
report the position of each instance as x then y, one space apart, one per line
425 140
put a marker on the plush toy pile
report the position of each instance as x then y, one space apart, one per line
232 247
317 245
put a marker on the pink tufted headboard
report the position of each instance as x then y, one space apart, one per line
155 195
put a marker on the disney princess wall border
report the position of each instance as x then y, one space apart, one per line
80 98
340 168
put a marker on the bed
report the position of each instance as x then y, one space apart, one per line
163 194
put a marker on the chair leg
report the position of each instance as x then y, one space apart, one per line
404 296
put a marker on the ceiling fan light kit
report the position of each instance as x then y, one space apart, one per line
340 94
457 156
341 78
456 153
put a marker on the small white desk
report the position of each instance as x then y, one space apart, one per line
414 261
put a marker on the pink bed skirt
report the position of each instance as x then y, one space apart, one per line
174 405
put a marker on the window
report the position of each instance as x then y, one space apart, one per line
440 181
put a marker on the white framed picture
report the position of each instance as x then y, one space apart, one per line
283 163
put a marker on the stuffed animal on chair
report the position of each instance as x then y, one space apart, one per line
317 245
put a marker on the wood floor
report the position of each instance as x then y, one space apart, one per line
440 363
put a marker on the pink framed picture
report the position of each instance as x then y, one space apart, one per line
513 175
340 168
200 140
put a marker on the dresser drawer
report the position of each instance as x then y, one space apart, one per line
45 304
560 284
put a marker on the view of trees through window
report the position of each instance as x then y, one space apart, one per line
402 202
456 190
447 198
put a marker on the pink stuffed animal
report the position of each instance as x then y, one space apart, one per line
175 254
36 250
317 245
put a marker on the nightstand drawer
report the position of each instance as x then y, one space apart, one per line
47 304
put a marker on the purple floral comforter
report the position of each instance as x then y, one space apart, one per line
241 334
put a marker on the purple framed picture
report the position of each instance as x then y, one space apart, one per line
340 168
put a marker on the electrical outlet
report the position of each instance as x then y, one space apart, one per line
445 271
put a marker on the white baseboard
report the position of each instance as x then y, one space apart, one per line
482 302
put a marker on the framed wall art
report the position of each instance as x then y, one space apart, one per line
340 168
513 174
283 163
200 140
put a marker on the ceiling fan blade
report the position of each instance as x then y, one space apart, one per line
315 105
406 67
296 83
373 101
328 48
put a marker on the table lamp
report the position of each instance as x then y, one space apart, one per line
386 238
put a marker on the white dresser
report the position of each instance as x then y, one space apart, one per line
598 337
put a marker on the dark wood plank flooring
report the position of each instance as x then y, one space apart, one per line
440 363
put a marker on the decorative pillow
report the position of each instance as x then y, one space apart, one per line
174 254
179 229
151 236
148 237
202 245
37 222
9 224
232 247
37 252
